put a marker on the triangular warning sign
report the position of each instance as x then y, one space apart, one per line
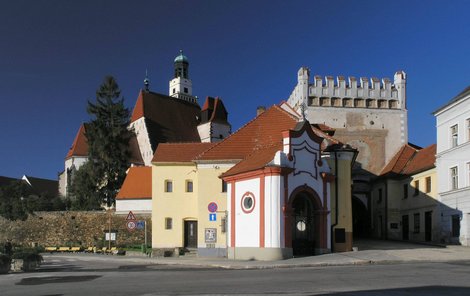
131 216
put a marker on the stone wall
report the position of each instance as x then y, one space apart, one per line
73 228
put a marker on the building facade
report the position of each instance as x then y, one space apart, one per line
404 197
453 167
286 191
369 115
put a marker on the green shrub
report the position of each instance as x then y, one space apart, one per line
4 259
28 256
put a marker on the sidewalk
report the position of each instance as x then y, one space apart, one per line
369 252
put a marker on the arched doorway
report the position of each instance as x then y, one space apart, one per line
361 218
306 223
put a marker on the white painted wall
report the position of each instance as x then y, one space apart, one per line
247 225
143 139
457 201
134 205
272 216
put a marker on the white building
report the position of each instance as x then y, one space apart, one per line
453 167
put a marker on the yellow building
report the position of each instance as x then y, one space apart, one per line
404 197
287 191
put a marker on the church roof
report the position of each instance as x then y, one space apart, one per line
168 119
411 159
137 184
181 58
79 145
179 152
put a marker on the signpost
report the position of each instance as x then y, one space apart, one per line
212 207
132 224
213 217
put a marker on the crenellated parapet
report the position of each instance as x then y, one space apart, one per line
349 92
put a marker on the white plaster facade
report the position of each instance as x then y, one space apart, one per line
453 167
210 132
260 233
137 206
143 140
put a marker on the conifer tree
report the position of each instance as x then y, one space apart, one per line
108 139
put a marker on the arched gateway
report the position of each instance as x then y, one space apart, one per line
308 222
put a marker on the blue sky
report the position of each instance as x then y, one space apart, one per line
54 55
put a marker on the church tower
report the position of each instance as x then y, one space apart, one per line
181 86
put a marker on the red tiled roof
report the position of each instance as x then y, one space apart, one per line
80 145
410 160
265 130
259 159
423 160
137 185
179 152
167 119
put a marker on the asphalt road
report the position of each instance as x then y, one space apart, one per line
108 275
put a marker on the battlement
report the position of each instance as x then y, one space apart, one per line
350 92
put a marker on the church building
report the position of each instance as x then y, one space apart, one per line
158 118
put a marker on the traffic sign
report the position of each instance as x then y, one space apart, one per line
131 225
212 207
130 216
213 217
140 224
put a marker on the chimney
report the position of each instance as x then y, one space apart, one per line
260 110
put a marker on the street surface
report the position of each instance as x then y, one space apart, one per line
90 274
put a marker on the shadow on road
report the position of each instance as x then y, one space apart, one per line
415 291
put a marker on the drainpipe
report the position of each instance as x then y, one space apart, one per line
336 202
386 210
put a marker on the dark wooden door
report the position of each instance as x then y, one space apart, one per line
405 227
190 234
428 226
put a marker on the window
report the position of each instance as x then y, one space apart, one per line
168 223
185 90
416 193
468 173
405 191
468 130
379 198
174 90
454 178
416 222
428 184
224 186
189 186
168 186
454 133
455 225
248 202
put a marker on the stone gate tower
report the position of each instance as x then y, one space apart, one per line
370 115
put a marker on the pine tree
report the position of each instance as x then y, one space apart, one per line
108 139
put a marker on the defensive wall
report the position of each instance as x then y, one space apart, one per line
73 228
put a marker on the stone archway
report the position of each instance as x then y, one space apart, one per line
307 223
361 218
